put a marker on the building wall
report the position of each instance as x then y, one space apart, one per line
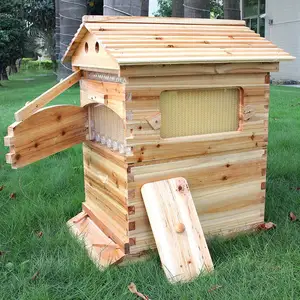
284 32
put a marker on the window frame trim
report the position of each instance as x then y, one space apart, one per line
257 16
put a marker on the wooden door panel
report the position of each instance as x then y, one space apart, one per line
48 131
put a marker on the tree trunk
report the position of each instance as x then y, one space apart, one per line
177 8
145 8
18 64
3 73
232 9
125 7
49 39
70 13
197 9
13 68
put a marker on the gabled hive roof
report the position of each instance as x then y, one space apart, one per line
149 40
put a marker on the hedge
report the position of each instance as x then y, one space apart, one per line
30 64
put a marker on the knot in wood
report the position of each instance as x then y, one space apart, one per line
180 228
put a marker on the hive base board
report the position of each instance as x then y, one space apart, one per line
101 249
88 232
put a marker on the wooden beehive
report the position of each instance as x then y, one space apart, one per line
160 98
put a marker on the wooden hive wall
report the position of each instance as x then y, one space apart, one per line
105 172
226 171
146 143
106 192
227 189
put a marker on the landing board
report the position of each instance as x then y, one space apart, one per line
176 228
101 249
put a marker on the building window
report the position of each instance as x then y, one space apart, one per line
254 15
196 112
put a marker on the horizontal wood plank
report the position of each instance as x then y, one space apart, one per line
197 145
50 130
194 69
157 20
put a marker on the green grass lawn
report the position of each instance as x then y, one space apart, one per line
263 265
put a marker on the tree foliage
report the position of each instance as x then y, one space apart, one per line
216 9
165 9
40 20
25 24
40 14
12 35
95 7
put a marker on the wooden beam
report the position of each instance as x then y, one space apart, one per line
198 69
202 59
156 20
39 102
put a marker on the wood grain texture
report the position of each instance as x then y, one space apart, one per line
194 69
106 175
226 189
193 81
155 121
86 56
176 228
48 131
114 94
46 97
146 140
107 153
172 148
106 193
159 20
101 249
152 41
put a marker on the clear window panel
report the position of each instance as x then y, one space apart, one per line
248 23
250 8
262 27
254 24
262 7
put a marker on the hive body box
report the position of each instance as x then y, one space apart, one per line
133 73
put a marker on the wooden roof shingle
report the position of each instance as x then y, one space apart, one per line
151 40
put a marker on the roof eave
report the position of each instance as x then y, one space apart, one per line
82 30
130 62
